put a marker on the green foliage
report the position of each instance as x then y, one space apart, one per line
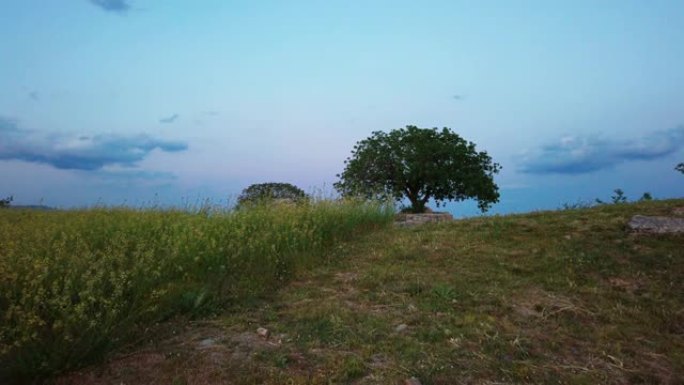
352 368
77 284
443 292
618 196
646 197
419 164
4 203
269 192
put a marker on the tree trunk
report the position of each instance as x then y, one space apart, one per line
417 204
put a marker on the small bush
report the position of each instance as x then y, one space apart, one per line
646 197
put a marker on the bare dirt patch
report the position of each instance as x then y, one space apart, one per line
542 304
199 355
625 284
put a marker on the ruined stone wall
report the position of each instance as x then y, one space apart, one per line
404 220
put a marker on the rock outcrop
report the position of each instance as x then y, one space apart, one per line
658 225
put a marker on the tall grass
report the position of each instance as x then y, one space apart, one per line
76 284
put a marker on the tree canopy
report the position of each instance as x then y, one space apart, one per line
420 164
269 192
680 168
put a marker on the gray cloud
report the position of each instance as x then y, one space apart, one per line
578 155
78 152
169 119
120 6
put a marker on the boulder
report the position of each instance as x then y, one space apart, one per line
659 225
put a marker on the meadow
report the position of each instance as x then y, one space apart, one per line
112 296
76 285
554 297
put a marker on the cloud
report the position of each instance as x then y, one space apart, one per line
169 119
458 97
580 155
120 6
33 95
84 152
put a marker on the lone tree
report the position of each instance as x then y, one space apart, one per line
680 168
419 164
270 192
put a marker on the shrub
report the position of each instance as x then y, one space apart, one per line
270 192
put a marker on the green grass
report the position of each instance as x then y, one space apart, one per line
567 297
74 285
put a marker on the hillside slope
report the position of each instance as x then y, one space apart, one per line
548 297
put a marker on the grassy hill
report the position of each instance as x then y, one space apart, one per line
548 297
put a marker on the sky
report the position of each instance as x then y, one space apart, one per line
175 102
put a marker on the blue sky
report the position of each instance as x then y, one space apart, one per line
172 101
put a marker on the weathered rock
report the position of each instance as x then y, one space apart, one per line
659 225
678 211
412 381
206 343
400 328
263 333
405 220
